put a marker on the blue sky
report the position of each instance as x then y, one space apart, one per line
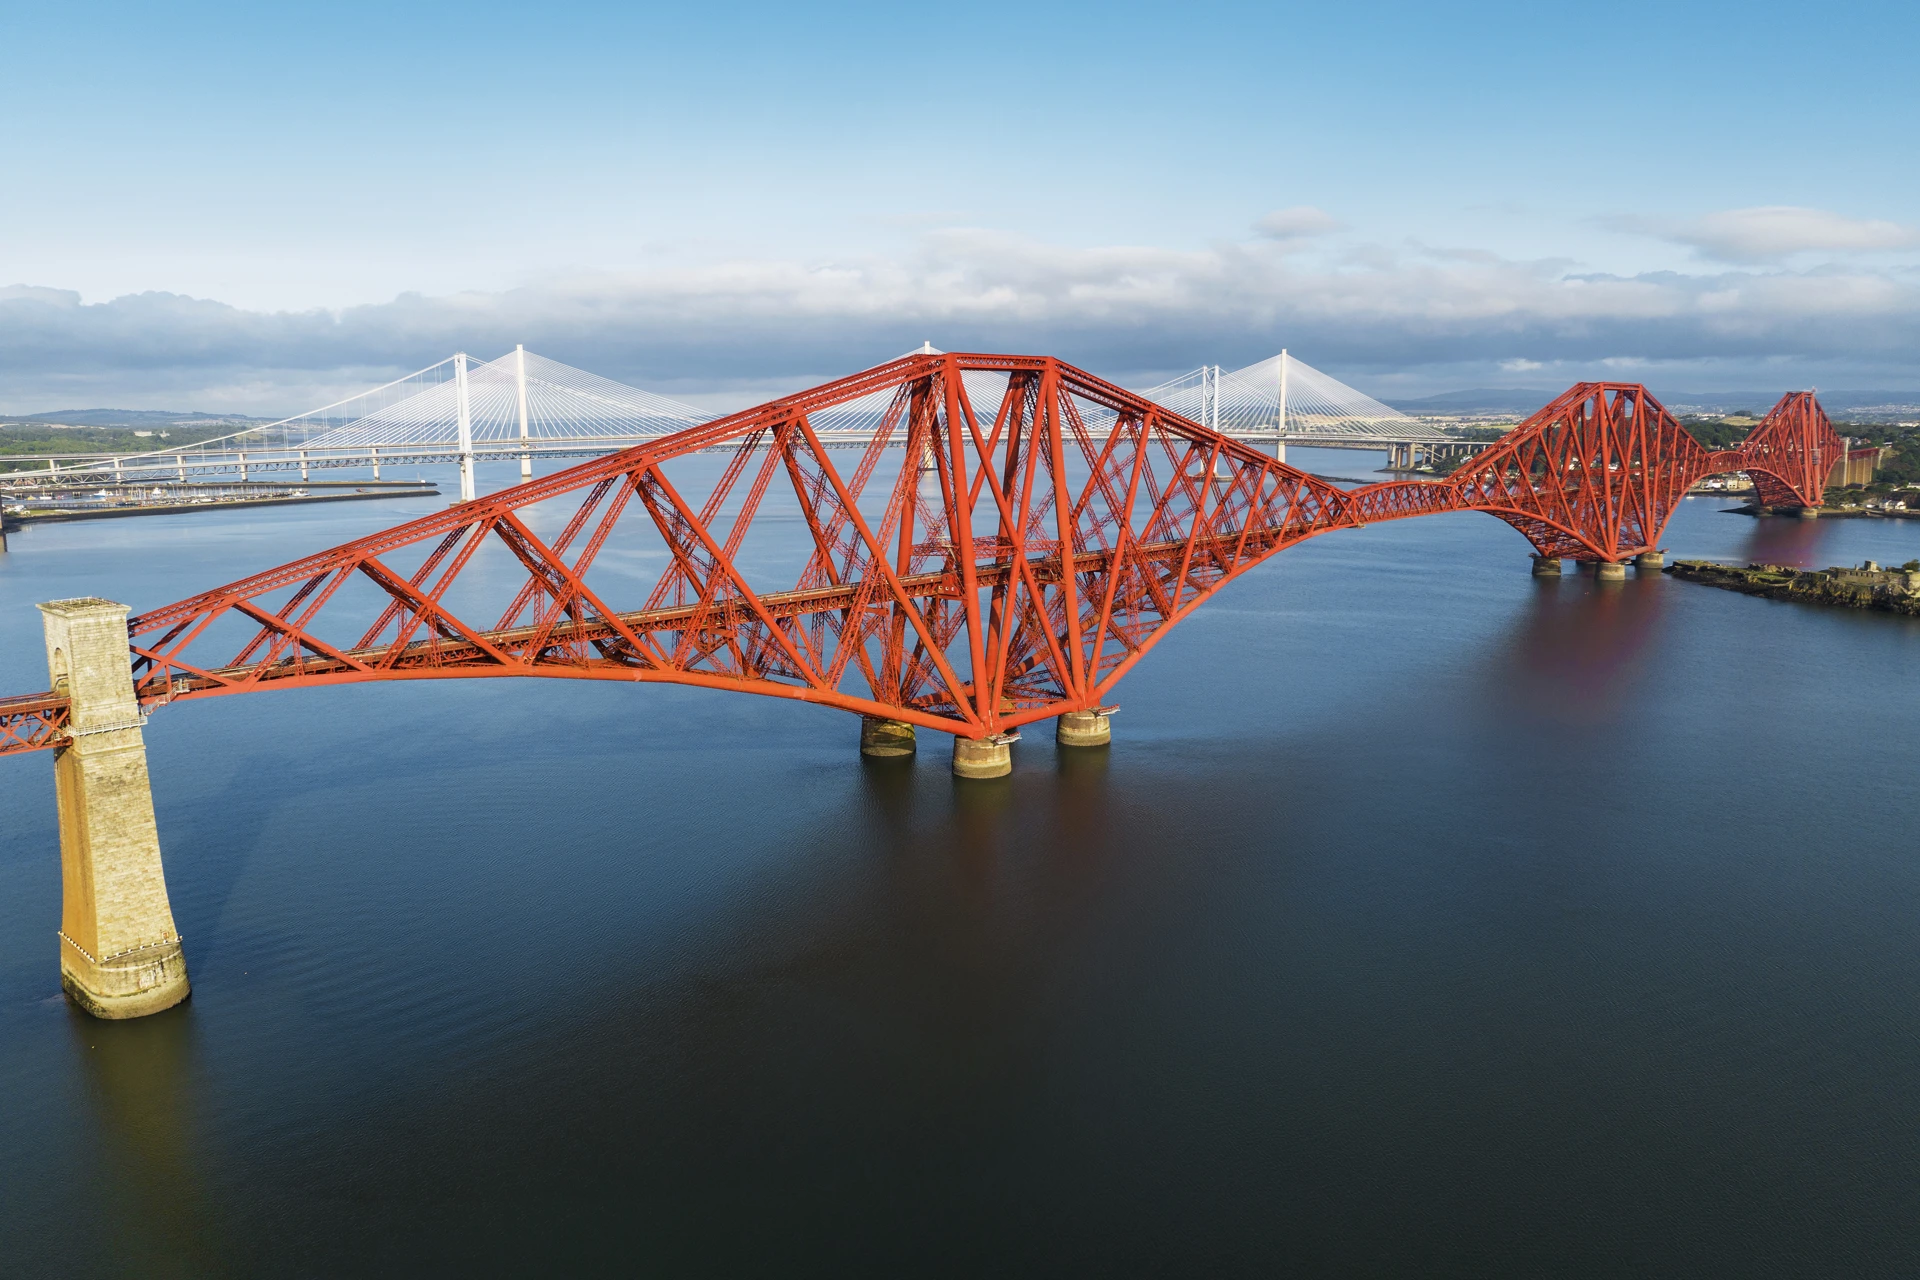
248 207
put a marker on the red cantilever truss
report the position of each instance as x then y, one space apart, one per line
1012 536
1597 473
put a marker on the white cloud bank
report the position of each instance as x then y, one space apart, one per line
1117 310
1774 233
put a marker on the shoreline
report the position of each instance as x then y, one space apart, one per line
1867 587
1825 513
17 520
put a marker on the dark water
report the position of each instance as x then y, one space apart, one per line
1423 918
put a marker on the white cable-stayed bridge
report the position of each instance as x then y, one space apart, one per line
1285 400
520 407
525 408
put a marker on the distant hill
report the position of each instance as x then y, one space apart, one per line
129 418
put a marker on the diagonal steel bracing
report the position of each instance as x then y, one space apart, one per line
1015 535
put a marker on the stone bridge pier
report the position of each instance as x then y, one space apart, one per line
120 955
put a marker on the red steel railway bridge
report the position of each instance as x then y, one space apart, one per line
1015 536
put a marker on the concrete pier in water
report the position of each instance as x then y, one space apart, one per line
983 757
1083 729
1610 570
1546 566
886 739
1650 560
120 955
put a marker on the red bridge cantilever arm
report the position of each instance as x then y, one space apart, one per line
32 722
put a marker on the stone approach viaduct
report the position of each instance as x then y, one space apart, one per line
1037 534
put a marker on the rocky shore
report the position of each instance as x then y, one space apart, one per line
1867 587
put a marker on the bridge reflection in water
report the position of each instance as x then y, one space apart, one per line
1574 660
140 1077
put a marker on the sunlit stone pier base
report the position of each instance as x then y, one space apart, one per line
1610 570
885 739
1546 566
1650 560
1083 729
983 757
120 956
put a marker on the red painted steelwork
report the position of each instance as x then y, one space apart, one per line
1790 454
1596 474
32 722
1036 535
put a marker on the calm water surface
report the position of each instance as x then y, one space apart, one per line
1423 918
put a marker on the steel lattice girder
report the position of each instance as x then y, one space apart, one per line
1791 453
1596 474
1038 533
32 722
1028 551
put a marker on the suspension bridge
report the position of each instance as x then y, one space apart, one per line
1012 538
